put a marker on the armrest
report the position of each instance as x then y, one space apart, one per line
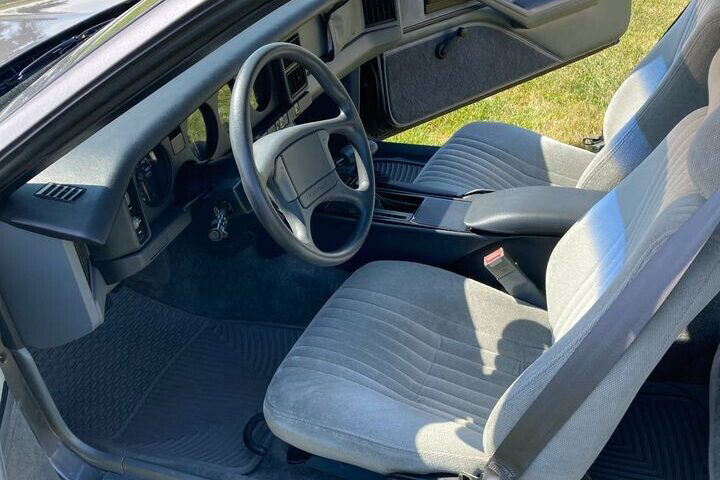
540 211
531 13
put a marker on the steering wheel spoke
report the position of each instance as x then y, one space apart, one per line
341 125
360 198
298 218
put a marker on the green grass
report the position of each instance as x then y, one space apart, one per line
567 104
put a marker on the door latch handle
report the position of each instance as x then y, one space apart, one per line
442 48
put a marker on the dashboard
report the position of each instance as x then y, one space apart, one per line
137 179
278 97
170 178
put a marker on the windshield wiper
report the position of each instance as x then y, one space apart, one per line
47 57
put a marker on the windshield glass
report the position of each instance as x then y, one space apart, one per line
19 74
53 63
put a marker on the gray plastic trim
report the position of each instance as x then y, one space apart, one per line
346 24
118 269
46 289
538 11
441 213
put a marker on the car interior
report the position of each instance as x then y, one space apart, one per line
238 277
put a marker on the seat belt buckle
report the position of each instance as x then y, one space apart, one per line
594 144
512 278
499 264
467 476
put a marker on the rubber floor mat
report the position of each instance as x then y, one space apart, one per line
160 384
664 435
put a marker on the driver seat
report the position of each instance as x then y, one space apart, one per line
412 369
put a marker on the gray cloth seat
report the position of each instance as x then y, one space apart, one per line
496 156
411 369
666 85
442 360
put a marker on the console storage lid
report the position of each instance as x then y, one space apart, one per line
536 211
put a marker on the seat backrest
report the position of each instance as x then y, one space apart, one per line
595 260
668 84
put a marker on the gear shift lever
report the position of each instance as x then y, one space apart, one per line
373 147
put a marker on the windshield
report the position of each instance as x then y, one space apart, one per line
43 70
20 74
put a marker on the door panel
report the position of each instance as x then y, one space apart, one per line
455 52
420 84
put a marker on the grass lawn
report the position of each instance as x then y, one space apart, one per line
567 104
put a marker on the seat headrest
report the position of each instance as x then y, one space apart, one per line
704 154
714 83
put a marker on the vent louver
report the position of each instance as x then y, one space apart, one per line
297 80
294 39
378 12
60 193
294 72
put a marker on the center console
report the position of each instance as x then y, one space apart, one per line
407 226
457 232
422 211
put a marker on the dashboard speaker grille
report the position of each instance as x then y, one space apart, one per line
378 12
59 192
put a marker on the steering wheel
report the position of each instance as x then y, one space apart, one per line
288 173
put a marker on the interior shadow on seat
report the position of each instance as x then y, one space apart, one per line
518 332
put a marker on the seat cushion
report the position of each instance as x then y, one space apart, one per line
496 156
401 368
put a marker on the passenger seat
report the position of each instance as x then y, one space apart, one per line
667 85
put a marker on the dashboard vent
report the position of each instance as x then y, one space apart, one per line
294 39
59 192
294 72
378 12
297 80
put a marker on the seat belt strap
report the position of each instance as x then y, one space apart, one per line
599 351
